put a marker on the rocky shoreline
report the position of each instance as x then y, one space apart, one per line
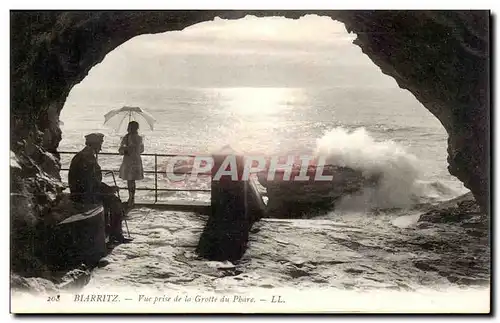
461 213
51 284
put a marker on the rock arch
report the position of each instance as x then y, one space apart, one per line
442 57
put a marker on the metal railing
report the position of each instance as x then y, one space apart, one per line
155 172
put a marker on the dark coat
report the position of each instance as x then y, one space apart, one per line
84 178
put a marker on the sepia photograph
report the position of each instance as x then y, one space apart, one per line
250 161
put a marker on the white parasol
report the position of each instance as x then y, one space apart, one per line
119 118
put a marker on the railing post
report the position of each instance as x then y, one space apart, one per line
156 178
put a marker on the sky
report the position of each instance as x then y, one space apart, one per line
249 52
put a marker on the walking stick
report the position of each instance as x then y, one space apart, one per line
118 193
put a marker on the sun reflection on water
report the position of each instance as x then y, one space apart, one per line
252 115
258 101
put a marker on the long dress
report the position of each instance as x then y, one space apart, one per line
131 147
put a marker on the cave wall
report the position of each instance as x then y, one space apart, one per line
442 57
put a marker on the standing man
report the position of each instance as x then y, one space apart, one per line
85 184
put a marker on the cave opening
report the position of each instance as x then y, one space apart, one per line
407 45
268 85
67 45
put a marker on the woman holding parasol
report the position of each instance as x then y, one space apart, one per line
131 146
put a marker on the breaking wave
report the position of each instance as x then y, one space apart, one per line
399 173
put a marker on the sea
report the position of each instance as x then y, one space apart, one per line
370 242
374 129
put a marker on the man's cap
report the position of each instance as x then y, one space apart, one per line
95 137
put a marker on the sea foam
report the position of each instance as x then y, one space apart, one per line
398 170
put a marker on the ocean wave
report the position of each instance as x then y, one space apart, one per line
399 173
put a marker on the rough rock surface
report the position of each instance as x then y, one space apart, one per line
462 211
339 251
301 199
442 57
71 280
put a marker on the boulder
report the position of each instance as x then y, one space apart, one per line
299 199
